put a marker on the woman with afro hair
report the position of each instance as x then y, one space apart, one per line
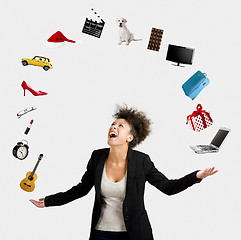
119 174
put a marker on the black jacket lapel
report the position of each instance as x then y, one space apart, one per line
99 170
130 170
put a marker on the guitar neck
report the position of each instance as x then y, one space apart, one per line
34 170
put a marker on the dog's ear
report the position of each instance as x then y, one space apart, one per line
117 19
125 20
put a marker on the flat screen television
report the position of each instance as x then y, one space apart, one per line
179 54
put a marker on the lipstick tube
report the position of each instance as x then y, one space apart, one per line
28 128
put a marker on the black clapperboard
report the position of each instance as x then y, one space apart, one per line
93 28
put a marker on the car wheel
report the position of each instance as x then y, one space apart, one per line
25 63
46 68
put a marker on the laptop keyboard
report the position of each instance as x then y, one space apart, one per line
206 147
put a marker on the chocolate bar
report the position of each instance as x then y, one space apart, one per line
155 39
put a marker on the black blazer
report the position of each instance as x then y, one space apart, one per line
140 169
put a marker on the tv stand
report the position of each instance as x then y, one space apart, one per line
178 64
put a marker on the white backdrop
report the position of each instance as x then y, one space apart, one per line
86 83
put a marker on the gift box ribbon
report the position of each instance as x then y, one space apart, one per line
200 112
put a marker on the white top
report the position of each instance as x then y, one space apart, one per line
112 197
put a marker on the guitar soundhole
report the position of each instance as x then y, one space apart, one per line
30 178
27 185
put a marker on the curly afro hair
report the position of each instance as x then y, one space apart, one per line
140 124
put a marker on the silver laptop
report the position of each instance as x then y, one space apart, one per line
214 145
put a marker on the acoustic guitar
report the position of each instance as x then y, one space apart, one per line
27 184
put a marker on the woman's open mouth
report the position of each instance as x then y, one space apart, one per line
113 135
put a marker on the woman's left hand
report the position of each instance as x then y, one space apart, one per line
207 172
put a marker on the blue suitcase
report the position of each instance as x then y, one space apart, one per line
195 84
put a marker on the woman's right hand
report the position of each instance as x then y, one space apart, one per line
39 204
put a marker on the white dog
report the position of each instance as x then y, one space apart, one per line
124 33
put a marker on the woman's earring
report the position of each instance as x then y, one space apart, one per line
130 138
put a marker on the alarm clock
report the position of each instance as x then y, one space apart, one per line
20 151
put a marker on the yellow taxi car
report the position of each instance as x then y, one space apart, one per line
38 61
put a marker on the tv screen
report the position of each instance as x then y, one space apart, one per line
179 54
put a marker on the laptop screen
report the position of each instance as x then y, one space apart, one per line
219 137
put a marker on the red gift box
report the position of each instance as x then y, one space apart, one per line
199 119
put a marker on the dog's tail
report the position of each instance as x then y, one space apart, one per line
137 39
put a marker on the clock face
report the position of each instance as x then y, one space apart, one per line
22 152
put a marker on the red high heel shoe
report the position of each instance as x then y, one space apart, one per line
26 86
